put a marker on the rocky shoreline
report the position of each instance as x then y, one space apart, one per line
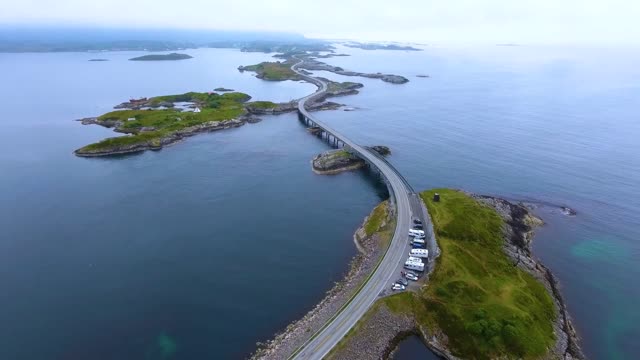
157 144
384 330
519 233
298 332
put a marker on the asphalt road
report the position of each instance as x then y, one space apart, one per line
387 272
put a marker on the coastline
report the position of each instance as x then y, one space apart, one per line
370 249
167 140
520 230
381 330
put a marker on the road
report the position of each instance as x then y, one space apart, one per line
387 272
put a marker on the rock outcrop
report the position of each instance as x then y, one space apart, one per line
335 161
382 150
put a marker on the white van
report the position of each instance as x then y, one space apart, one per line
419 253
414 232
412 265
418 241
414 259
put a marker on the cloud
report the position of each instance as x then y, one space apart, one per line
403 20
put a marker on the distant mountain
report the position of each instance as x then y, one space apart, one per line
61 39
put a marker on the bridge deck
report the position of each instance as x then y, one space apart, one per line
402 194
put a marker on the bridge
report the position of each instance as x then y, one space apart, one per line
407 204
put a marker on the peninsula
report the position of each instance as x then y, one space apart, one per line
487 297
162 57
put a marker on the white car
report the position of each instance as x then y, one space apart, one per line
411 276
396 286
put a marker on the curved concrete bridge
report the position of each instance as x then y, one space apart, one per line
407 205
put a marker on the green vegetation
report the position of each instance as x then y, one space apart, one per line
159 123
487 307
160 57
375 219
262 105
274 71
484 305
339 86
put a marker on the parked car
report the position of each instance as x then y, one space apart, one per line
411 276
417 221
418 226
396 287
402 281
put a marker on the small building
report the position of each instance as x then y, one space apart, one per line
131 119
196 110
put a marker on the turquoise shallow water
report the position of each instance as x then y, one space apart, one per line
552 125
208 246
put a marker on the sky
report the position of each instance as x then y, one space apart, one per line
421 21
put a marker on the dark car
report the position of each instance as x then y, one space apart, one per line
417 221
402 281
418 227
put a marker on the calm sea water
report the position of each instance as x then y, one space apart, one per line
208 246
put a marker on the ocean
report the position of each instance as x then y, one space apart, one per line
208 246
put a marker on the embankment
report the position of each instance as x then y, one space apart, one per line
371 239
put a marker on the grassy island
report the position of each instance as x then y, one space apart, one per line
152 128
273 71
160 57
485 306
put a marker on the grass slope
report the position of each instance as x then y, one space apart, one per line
487 307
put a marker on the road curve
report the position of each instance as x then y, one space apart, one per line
329 336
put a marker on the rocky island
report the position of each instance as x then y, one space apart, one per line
272 71
373 46
279 71
162 57
152 123
313 64
337 161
